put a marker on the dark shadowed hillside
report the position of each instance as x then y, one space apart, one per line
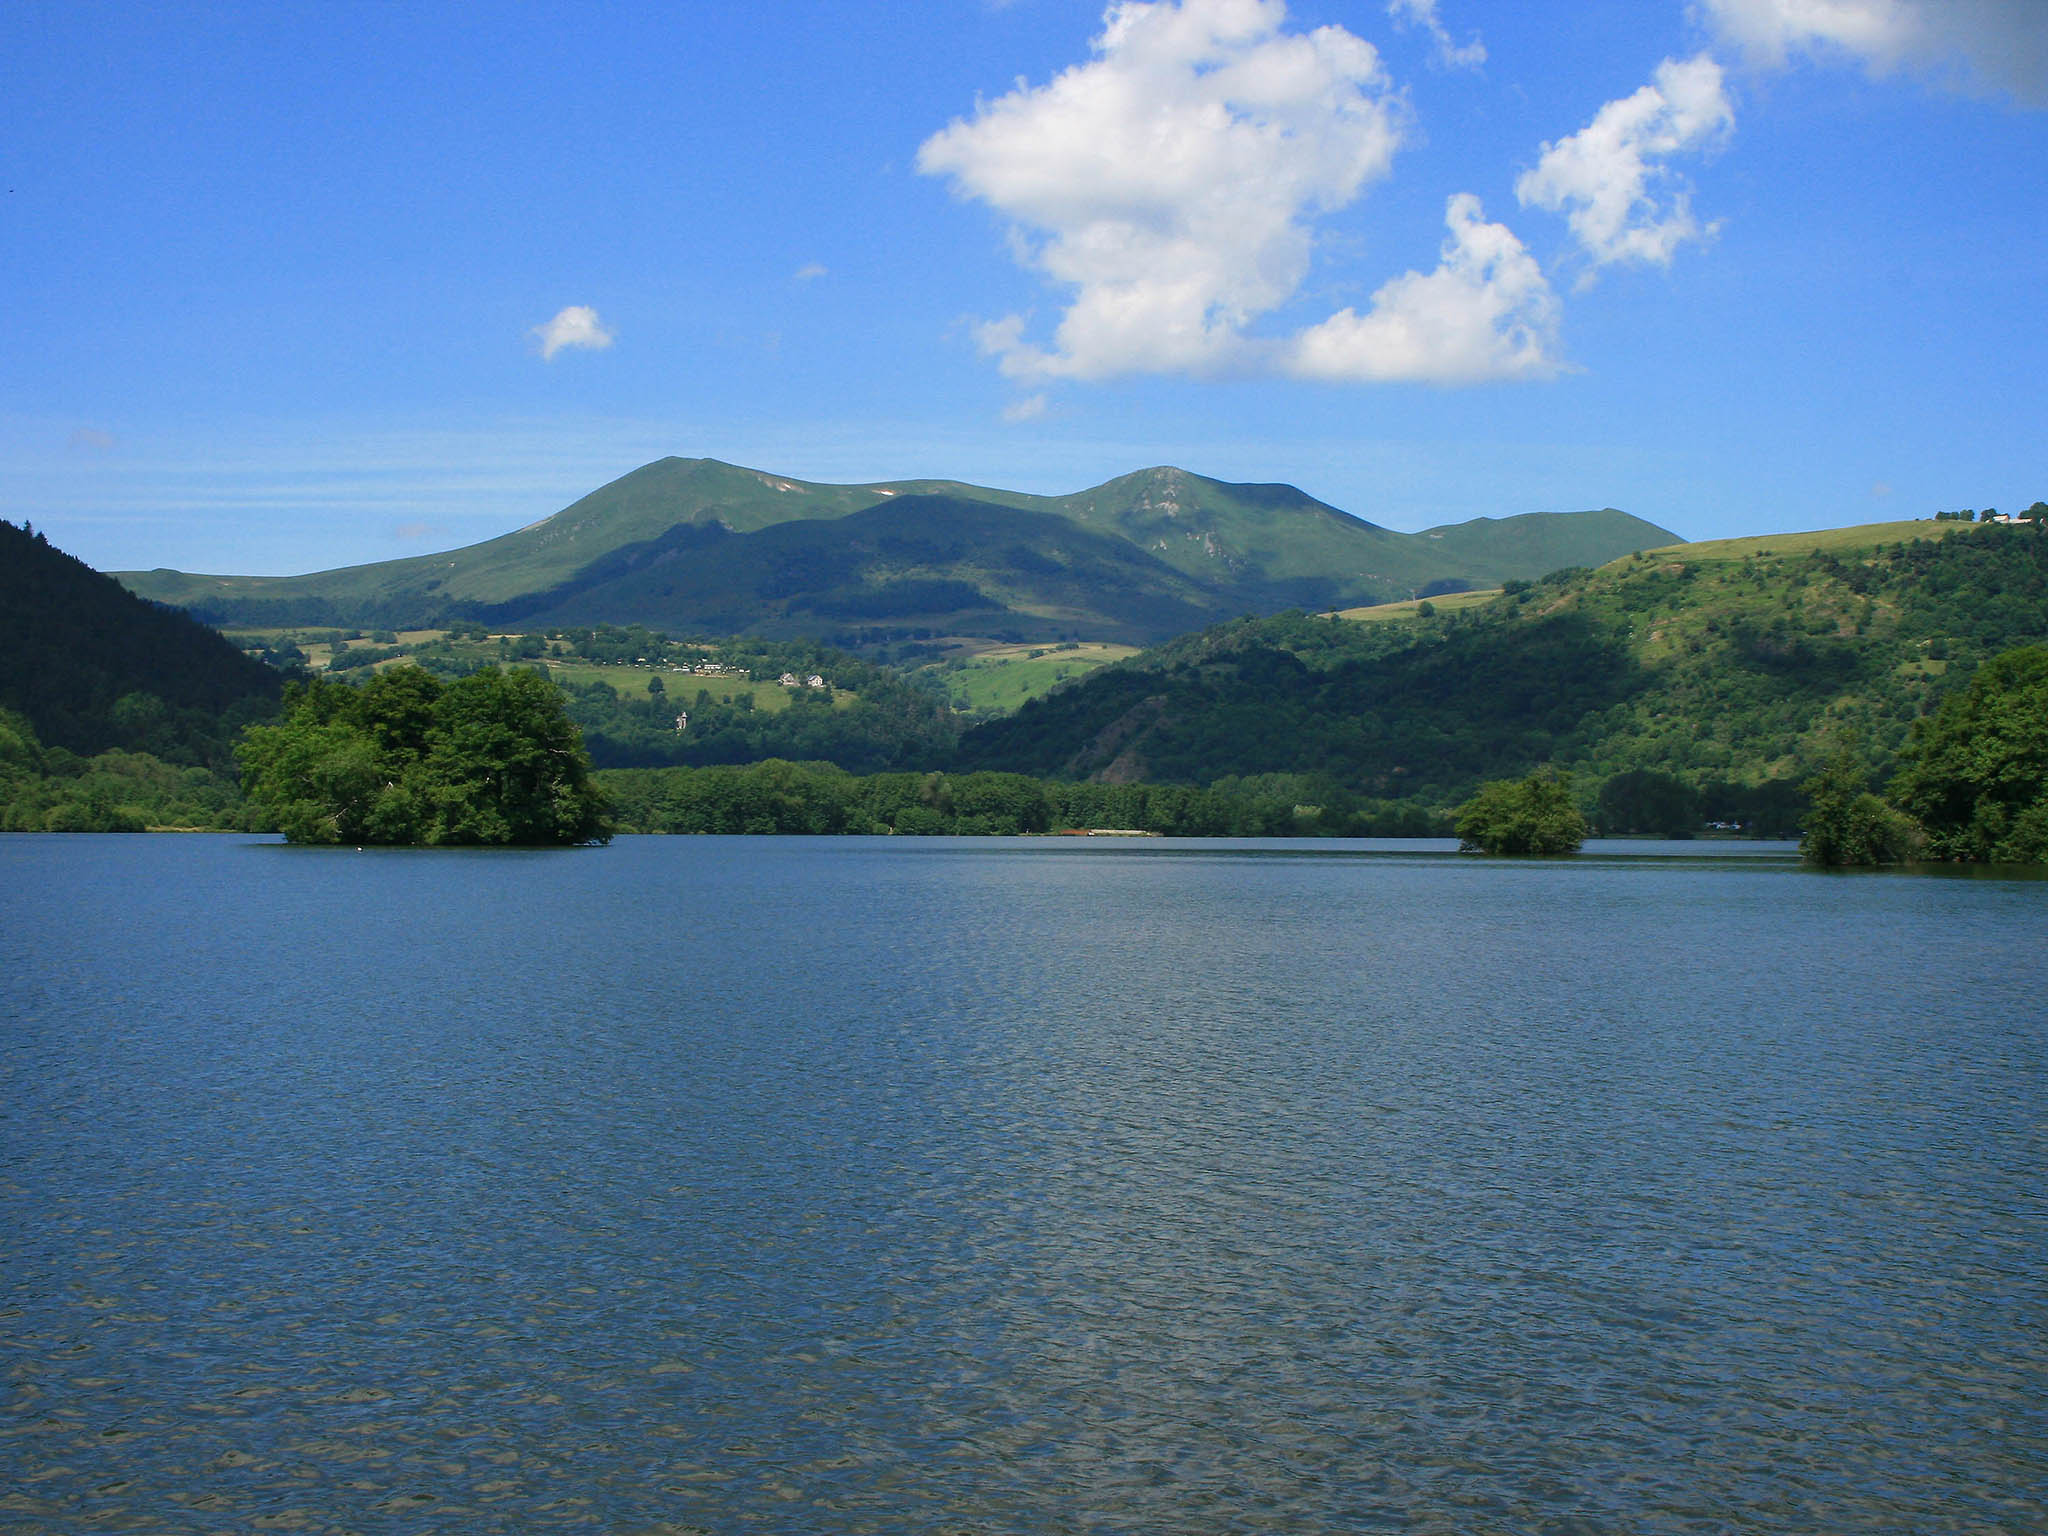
92 666
937 562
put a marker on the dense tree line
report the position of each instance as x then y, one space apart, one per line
53 789
785 797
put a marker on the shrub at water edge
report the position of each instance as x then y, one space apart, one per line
1848 825
1522 818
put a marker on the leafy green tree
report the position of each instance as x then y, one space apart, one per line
1848 825
1522 818
491 758
1975 774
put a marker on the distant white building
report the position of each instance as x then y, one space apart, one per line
814 681
788 680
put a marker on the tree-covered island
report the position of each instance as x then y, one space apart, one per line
489 759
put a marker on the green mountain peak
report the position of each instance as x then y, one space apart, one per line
1217 547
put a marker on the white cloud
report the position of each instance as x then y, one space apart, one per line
1486 312
1169 182
1028 409
576 326
811 271
1999 44
1422 13
1608 179
91 440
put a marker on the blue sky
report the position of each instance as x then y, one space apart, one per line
295 286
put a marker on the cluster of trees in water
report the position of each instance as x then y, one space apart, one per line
1534 817
491 758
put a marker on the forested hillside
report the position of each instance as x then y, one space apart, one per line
115 714
92 667
1724 667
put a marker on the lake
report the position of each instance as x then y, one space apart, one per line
1004 1187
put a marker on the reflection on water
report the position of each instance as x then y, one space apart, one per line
1015 1187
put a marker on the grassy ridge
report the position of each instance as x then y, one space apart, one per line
1004 678
1412 608
1494 550
1859 539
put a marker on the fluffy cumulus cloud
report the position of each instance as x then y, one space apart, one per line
1997 44
577 326
1169 183
1450 54
1486 312
1610 179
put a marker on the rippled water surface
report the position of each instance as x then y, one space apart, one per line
921 1186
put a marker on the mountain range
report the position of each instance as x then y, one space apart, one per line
696 546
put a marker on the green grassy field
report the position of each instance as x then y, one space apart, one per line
629 682
1000 680
1380 613
680 687
1834 541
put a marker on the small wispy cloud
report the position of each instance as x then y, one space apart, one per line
577 326
412 532
811 271
1451 55
91 440
1610 180
1030 408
